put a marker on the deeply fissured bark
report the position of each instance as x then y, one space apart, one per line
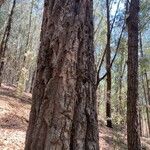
63 114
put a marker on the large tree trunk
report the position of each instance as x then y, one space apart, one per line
108 59
63 114
133 136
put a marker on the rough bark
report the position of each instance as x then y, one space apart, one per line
108 62
63 114
133 136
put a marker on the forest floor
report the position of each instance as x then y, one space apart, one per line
14 114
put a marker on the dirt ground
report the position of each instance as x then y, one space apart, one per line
14 114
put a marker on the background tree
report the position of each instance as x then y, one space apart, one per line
4 41
17 47
133 136
114 22
108 59
20 65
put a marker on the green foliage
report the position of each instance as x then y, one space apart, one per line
144 15
144 63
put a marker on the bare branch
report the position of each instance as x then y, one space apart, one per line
115 16
103 56
117 48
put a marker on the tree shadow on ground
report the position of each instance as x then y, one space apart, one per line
11 92
12 121
117 143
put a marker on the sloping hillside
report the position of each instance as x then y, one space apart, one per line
14 114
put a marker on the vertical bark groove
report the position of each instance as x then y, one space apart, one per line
63 114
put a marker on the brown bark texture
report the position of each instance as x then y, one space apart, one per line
133 136
63 114
108 62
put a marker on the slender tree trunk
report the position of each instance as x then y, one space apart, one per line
63 114
140 121
133 136
123 67
29 32
108 61
32 82
30 23
146 92
144 72
148 88
3 45
23 81
147 111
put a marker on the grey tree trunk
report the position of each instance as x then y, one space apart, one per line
63 114
133 136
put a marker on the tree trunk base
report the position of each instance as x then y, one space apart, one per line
109 124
